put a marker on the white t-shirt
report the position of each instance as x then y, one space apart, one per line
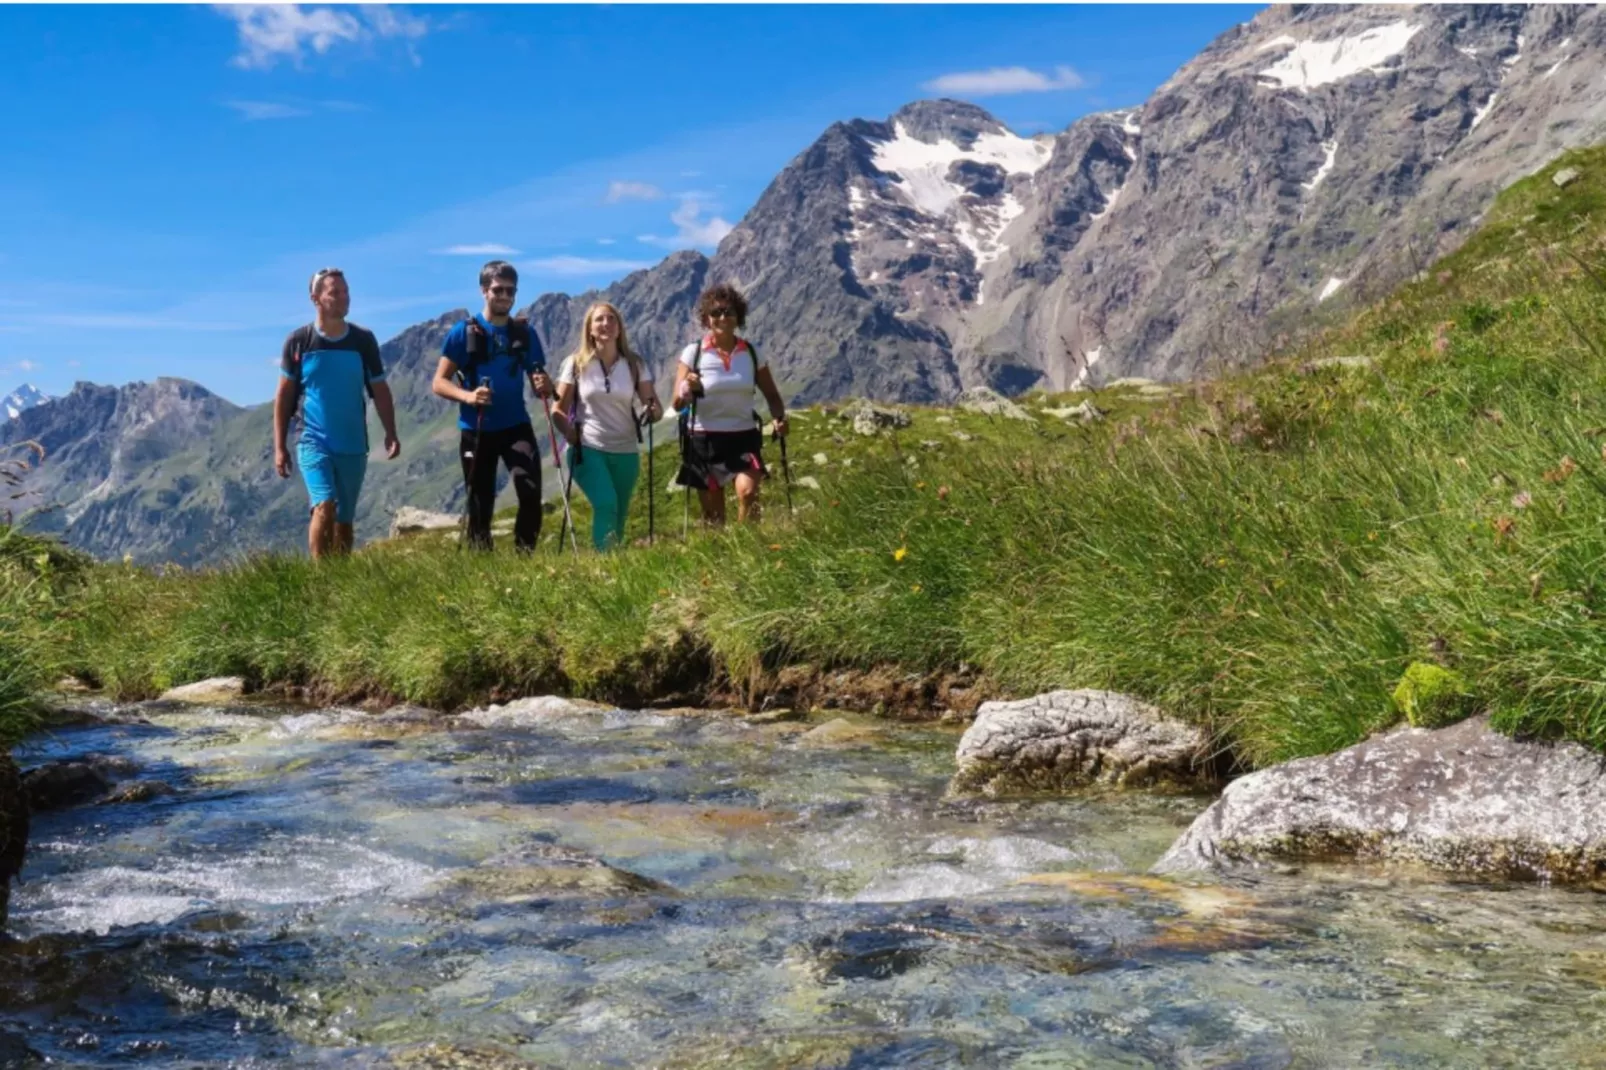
727 401
607 421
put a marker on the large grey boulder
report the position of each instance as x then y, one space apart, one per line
1464 799
990 402
871 419
1073 739
410 520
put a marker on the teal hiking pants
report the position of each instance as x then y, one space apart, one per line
607 480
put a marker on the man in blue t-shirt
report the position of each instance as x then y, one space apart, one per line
331 367
484 363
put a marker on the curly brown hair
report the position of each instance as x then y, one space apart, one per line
722 296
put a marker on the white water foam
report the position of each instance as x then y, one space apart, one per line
300 870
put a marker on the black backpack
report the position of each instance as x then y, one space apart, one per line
478 348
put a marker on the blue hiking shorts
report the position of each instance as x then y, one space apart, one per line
333 477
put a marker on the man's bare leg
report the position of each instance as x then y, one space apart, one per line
321 531
345 535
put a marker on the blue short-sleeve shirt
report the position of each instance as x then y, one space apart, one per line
333 376
505 372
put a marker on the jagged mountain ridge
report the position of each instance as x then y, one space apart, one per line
1313 153
1309 157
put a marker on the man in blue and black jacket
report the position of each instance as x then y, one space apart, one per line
485 361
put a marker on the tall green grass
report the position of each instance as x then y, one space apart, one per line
1263 555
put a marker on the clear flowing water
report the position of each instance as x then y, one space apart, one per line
637 889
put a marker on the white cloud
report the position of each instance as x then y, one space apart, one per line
482 249
584 265
271 32
1000 81
254 110
691 228
26 366
605 241
632 191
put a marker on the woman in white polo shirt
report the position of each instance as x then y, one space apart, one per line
714 383
598 388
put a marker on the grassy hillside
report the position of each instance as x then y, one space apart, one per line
1264 555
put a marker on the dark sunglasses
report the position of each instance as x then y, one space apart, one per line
321 274
508 290
720 313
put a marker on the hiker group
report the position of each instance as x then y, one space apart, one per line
603 406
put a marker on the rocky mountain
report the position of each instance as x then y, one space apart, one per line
25 396
1307 159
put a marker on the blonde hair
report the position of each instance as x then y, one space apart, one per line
588 347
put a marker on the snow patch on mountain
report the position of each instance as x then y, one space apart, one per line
1478 116
922 170
1317 63
1331 288
1331 148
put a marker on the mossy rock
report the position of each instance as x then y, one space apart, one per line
1431 696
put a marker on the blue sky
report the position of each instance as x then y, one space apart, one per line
172 175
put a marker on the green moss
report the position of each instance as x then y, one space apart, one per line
1431 696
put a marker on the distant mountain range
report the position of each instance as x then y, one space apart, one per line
1309 159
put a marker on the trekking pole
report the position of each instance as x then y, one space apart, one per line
473 466
557 462
685 444
786 471
568 519
646 418
652 483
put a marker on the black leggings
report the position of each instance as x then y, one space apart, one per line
516 448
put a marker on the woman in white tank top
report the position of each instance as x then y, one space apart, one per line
715 378
599 387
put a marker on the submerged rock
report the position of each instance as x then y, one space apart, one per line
452 1057
14 1051
1074 739
13 831
219 690
62 784
840 732
1463 799
136 791
542 871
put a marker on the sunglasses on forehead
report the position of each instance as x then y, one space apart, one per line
321 274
